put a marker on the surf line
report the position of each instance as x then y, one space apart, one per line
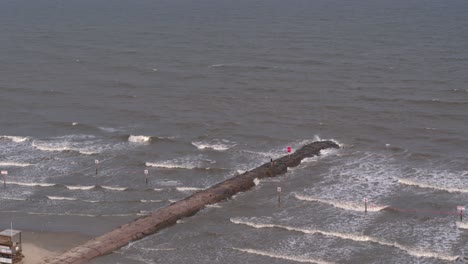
169 215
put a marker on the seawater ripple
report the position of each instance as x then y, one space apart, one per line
416 252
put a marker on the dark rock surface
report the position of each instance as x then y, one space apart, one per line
167 216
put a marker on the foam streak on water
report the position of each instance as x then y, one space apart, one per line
13 164
355 237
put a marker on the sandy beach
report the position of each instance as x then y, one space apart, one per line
38 247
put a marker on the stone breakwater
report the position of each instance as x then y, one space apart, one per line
168 215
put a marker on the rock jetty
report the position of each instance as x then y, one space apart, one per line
168 215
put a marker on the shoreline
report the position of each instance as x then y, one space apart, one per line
41 246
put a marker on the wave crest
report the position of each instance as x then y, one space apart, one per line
359 207
15 139
139 139
217 145
13 164
431 186
417 252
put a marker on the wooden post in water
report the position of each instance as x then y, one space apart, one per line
278 190
97 165
365 205
4 174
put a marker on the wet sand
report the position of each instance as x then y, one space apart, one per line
38 247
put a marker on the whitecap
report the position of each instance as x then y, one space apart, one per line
462 225
62 146
189 163
256 181
16 139
214 206
359 207
31 184
168 165
114 188
61 198
188 189
151 201
432 186
218 146
79 187
139 139
13 164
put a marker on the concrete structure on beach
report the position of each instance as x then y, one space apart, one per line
168 215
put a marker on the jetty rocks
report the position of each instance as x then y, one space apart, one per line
169 215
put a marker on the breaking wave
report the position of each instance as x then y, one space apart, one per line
61 198
281 256
13 164
139 139
359 207
31 184
219 145
431 186
188 189
188 163
462 225
417 252
15 138
61 147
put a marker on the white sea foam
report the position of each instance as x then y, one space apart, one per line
462 225
188 189
214 206
256 181
79 187
189 163
31 184
13 164
139 139
217 145
281 256
432 186
62 146
114 188
74 123
170 165
151 201
317 138
360 207
15 138
417 252
61 198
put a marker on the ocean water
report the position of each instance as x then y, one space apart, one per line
197 91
